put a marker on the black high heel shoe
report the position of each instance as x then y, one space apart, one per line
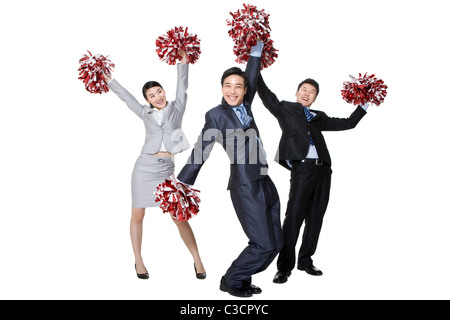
144 276
199 275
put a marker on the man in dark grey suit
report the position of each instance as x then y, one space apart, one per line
254 196
302 150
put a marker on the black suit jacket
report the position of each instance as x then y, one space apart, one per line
294 142
242 144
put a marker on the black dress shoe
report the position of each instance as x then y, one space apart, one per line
237 292
144 276
199 275
253 289
281 277
310 270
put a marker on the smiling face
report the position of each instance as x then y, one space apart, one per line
306 94
233 90
156 96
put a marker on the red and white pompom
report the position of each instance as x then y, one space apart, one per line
178 199
268 55
93 71
168 44
365 89
247 26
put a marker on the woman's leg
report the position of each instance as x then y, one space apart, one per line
136 224
189 240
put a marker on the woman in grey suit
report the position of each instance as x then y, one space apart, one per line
164 138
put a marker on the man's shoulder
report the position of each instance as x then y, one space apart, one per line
215 113
290 105
217 110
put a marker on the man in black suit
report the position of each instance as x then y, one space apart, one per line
253 194
303 151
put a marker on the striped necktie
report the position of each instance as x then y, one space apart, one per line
245 121
244 117
309 116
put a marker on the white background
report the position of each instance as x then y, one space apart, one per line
67 155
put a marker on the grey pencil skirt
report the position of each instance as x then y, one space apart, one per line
148 172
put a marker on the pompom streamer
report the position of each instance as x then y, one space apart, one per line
93 71
178 199
365 89
247 26
178 38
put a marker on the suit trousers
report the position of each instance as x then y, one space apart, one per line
308 200
257 206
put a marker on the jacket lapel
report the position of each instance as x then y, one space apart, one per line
165 114
231 114
317 116
298 109
150 111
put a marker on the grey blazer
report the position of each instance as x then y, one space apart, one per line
170 129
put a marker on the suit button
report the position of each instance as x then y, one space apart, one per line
309 133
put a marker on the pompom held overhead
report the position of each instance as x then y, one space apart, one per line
168 45
93 71
178 199
247 26
365 89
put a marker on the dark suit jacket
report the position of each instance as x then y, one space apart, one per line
294 142
247 162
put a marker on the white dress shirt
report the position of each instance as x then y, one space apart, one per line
158 116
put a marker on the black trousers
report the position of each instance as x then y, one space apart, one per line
257 206
308 201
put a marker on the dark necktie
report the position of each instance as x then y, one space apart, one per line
309 116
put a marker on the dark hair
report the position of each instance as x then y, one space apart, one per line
149 85
311 82
235 71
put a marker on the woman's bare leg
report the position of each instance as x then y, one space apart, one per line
136 228
189 240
